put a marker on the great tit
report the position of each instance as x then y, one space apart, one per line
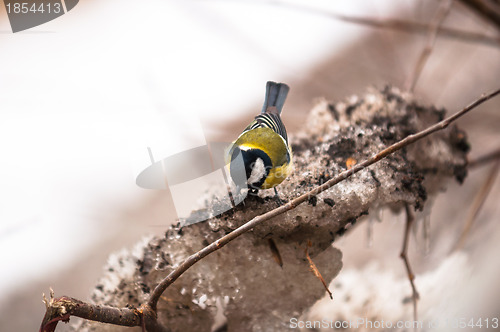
263 145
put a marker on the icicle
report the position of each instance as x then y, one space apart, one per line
427 234
426 216
376 215
369 232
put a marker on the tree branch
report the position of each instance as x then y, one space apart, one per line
488 9
477 204
484 159
402 25
60 309
434 27
410 219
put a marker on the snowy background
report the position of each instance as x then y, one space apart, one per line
83 96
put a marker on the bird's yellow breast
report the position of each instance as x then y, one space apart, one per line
274 146
277 175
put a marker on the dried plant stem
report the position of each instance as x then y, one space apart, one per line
401 25
478 203
484 159
410 218
488 9
60 309
434 27
418 27
63 307
316 272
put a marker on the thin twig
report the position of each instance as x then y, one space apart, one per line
422 28
63 307
60 309
434 27
315 270
410 218
478 204
484 159
400 25
191 260
488 9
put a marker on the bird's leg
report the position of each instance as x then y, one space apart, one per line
277 196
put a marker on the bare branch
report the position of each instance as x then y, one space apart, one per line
490 156
402 25
316 272
422 28
478 203
434 27
410 218
489 9
60 309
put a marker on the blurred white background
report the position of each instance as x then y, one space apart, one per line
83 96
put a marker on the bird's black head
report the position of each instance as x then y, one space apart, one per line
256 164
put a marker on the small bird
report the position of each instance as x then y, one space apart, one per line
266 157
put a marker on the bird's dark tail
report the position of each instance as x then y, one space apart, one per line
275 97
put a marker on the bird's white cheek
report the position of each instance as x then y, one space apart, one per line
258 171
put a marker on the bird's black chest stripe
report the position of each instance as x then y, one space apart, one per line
249 160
